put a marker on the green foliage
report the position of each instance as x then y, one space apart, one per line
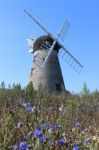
85 92
85 89
16 121
7 132
29 92
2 85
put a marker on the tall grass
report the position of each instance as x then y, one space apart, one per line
41 121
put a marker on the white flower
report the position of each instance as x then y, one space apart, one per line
94 138
19 124
61 108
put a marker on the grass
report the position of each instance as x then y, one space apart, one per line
49 122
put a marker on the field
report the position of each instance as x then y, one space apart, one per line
41 121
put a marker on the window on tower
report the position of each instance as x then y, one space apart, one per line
58 88
43 58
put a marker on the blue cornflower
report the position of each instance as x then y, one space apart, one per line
61 142
49 125
28 147
57 126
26 104
97 108
51 141
29 109
77 124
23 145
51 129
42 138
76 147
37 133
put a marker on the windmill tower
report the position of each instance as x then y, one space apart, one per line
46 70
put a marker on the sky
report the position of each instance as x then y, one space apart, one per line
82 39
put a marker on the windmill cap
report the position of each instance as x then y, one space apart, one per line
38 42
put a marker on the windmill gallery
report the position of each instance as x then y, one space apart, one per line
45 68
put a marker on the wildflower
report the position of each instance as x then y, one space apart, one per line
28 147
85 131
97 108
19 124
76 147
94 138
42 138
51 141
49 125
23 145
38 133
26 104
61 142
15 147
51 129
34 107
29 109
29 135
61 108
57 126
77 124
87 140
1 120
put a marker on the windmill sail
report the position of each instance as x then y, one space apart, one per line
66 55
71 60
30 43
64 30
60 33
38 22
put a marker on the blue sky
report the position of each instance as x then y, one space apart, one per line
82 39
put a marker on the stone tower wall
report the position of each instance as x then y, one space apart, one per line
49 76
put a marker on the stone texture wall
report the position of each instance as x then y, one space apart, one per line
48 76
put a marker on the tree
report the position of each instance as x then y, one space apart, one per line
2 85
30 91
16 89
85 89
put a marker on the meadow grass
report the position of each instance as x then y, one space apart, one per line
41 121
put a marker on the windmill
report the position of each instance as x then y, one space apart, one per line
46 70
